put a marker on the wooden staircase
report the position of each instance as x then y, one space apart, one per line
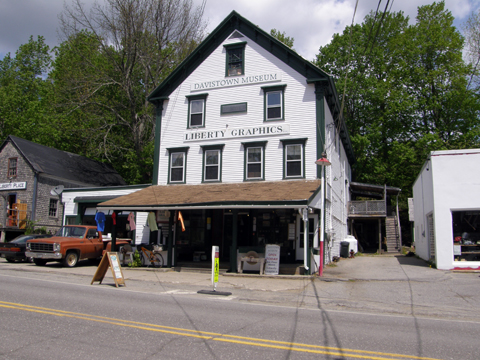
393 234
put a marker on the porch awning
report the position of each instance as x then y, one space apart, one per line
279 194
372 191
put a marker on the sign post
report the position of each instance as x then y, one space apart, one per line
215 273
215 266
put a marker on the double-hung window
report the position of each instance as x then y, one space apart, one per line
274 102
52 208
177 165
294 155
12 167
255 160
212 163
196 110
235 64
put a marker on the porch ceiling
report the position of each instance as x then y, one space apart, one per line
372 191
292 193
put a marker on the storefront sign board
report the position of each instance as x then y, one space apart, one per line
272 259
14 186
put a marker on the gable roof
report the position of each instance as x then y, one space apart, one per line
65 165
235 21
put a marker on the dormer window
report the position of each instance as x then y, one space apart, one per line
235 59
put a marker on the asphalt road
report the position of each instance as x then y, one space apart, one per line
57 314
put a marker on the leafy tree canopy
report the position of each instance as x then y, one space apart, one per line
404 92
287 40
25 94
111 58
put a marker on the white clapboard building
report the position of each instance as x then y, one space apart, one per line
240 125
446 210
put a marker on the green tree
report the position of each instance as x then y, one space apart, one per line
471 29
404 92
25 93
111 58
287 40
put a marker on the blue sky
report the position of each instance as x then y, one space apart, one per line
310 22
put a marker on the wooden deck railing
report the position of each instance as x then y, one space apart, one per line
367 208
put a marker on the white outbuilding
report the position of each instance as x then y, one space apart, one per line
446 197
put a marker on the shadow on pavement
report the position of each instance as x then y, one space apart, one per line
411 260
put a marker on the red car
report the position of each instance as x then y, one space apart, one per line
15 250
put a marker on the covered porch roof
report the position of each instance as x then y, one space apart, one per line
372 191
278 194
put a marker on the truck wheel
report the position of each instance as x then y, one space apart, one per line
71 259
10 260
39 262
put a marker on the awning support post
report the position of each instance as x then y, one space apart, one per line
170 239
233 245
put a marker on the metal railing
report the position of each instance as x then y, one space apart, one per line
367 207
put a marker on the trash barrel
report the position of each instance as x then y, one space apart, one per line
344 245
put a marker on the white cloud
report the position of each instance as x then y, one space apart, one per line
311 22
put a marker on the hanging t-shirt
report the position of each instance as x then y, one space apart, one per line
152 222
131 220
100 219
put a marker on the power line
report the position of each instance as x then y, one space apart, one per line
380 25
340 115
371 29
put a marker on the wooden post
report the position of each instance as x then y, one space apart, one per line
170 239
233 245
379 236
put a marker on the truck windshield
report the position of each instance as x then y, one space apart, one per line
71 231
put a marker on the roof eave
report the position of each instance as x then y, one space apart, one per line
235 21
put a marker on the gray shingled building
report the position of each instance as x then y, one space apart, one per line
32 177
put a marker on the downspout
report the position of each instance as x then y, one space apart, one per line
158 102
34 196
322 224
399 228
304 213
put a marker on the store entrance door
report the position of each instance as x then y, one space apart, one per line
312 235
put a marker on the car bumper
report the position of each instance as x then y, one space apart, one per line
13 255
42 255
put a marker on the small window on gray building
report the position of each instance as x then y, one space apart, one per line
52 208
12 167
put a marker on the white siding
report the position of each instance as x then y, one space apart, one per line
258 61
423 206
451 183
337 194
71 207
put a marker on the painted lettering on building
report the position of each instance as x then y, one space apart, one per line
236 81
13 186
266 130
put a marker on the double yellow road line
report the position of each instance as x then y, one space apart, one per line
210 336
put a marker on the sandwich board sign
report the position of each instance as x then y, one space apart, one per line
109 259
272 259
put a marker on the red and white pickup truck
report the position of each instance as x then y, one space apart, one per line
70 244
